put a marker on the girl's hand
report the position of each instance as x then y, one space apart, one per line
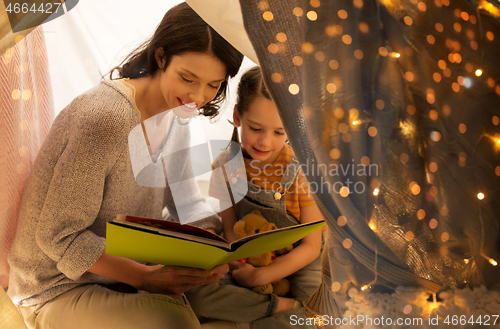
247 275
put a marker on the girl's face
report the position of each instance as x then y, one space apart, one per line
190 81
262 133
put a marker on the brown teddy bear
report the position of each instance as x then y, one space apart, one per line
254 223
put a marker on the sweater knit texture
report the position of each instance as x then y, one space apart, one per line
81 179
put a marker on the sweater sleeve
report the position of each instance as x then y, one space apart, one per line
90 147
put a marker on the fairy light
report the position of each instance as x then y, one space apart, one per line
434 302
490 260
318 321
435 135
467 82
484 4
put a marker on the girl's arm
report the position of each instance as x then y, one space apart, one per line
308 250
229 218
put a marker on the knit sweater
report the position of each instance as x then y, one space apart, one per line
81 179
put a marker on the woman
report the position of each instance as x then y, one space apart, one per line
61 276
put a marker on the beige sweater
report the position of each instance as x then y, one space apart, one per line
81 179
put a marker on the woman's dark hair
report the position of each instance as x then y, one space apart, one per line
251 86
180 31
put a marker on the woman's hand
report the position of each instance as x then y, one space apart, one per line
211 230
247 275
174 280
158 278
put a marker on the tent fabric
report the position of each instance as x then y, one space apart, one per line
27 113
224 16
392 86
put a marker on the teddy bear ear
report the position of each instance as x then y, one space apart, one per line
257 212
239 229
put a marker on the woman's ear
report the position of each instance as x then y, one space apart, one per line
160 57
236 117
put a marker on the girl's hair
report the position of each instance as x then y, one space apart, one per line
180 31
251 86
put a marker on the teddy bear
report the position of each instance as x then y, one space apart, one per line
254 223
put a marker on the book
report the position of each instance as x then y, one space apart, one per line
171 243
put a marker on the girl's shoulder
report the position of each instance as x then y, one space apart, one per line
285 157
221 159
288 151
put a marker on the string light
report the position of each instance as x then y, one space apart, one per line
318 321
484 4
434 304
490 260
455 56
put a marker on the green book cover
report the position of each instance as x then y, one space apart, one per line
171 243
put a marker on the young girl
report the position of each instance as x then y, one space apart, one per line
278 188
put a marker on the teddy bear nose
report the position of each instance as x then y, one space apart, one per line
257 231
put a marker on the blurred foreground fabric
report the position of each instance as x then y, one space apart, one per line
10 318
392 108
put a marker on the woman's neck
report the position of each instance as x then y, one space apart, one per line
148 96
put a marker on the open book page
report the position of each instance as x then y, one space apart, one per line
193 233
162 246
171 226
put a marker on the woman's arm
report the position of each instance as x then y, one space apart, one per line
156 279
308 250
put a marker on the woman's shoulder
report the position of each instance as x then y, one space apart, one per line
105 110
107 103
106 95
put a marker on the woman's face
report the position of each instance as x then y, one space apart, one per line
190 81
